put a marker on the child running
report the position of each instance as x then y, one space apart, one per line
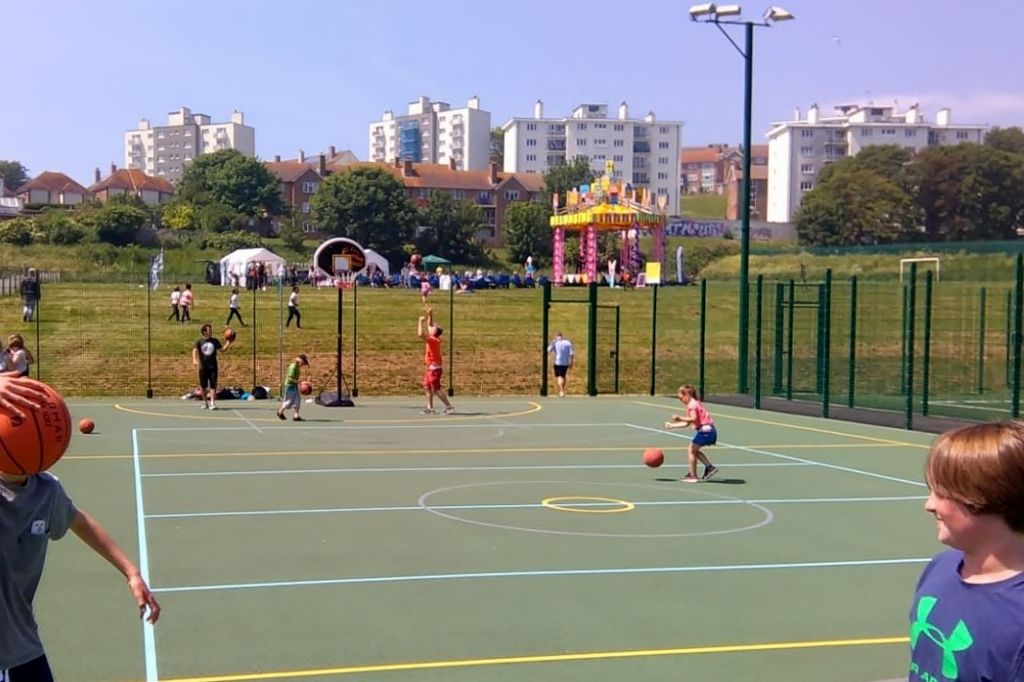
967 619
233 304
431 335
292 398
698 417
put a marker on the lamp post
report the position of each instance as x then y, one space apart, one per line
729 14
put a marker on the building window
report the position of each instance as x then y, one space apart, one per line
663 130
806 133
962 135
601 142
308 227
663 160
600 126
305 207
618 143
806 185
458 194
531 157
866 132
581 126
511 195
663 145
619 127
483 197
581 143
807 168
807 151
531 126
530 142
309 187
662 176
618 158
888 131
910 133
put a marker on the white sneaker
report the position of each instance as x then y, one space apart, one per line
212 406
449 409
203 406
427 411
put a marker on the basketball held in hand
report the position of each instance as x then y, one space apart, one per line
35 443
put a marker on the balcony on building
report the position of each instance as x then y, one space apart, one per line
641 147
556 145
556 130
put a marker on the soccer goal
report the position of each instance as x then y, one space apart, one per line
906 261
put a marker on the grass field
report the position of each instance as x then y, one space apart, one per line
710 206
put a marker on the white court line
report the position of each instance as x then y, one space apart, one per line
790 458
544 574
963 406
377 470
148 635
534 505
247 421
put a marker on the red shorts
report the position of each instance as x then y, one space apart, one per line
432 379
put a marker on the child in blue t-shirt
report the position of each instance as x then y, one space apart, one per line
967 619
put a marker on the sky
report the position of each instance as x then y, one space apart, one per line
312 74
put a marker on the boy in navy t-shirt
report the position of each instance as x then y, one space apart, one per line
967 619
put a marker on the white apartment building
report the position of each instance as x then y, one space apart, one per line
799 149
165 150
645 151
433 132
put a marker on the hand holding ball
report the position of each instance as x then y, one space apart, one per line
35 443
230 334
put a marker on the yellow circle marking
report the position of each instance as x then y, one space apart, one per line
534 407
554 503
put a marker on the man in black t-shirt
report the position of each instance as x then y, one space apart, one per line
204 356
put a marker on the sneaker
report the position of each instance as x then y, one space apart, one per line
280 415
203 406
710 472
427 411
212 406
449 410
297 418
689 478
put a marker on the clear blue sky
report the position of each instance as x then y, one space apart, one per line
311 74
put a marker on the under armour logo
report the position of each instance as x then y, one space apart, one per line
958 640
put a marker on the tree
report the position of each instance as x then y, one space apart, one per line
218 217
228 177
527 231
14 174
58 226
1005 139
17 231
855 206
116 223
971 191
449 228
560 179
179 215
497 147
366 204
291 233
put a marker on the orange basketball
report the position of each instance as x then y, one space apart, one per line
653 457
230 334
34 444
305 388
86 425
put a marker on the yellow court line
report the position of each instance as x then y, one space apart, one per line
536 407
462 451
554 503
549 658
885 441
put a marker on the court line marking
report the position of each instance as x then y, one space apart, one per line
247 421
534 407
377 470
727 415
432 577
533 505
826 465
148 635
353 426
282 453
579 506
550 658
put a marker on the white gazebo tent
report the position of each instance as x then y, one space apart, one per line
236 265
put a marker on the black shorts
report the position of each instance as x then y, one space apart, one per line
560 370
36 670
208 376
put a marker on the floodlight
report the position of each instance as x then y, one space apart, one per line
704 10
727 11
778 14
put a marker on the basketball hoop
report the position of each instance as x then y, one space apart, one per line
345 280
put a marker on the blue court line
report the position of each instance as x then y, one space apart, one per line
367 470
543 574
534 505
148 636
790 458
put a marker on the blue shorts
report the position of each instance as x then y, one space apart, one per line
708 437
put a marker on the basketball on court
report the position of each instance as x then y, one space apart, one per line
86 425
653 457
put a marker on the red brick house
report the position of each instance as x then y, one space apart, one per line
703 169
299 182
758 192
152 190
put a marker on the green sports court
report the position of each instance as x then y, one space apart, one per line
518 539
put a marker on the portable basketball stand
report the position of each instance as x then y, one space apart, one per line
341 397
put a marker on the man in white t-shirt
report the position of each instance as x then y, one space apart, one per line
562 349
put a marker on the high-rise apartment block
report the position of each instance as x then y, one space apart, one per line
164 151
799 149
645 151
433 132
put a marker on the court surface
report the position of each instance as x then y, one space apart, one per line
518 539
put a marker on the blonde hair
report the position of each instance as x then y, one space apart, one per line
981 467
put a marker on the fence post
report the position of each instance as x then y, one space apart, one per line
255 333
703 335
981 341
789 341
654 336
780 293
826 344
1018 308
903 341
545 307
926 362
1007 338
617 353
852 378
149 335
910 314
592 339
757 342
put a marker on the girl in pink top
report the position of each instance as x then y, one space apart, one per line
698 417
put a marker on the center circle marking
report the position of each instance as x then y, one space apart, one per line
553 503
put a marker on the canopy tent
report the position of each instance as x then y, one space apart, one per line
235 265
431 263
380 262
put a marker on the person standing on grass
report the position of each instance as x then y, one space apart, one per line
175 300
698 417
18 357
30 294
185 303
967 617
561 347
292 398
204 356
431 335
293 309
233 304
